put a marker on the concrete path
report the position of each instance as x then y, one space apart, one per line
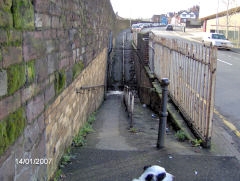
114 153
109 124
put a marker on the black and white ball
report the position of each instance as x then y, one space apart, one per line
155 173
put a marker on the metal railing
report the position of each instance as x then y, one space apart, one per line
191 69
129 103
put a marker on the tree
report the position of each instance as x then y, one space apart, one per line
195 9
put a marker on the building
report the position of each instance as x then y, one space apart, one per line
187 19
184 16
226 22
162 19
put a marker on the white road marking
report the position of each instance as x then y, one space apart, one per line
224 62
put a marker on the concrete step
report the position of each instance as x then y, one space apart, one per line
103 165
111 165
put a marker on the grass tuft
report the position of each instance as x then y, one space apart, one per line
181 136
80 139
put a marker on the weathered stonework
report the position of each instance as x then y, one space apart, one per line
23 14
3 83
11 55
48 50
71 109
6 19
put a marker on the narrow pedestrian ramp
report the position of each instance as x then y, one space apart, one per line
112 122
113 153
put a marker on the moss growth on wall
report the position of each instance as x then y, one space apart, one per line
11 128
77 68
14 38
6 20
60 81
30 71
10 37
23 14
16 77
63 20
6 5
0 55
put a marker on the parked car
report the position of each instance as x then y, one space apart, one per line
169 27
218 40
135 27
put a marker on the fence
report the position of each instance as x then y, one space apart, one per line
129 103
191 69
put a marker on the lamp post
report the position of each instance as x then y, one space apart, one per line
217 20
163 114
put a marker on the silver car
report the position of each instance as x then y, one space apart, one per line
218 40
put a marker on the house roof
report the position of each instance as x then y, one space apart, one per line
223 13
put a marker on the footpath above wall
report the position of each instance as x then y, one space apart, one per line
44 47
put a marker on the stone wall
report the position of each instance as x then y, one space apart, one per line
145 78
48 50
72 108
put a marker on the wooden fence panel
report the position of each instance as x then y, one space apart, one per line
191 69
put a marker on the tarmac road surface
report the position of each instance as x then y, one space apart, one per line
114 153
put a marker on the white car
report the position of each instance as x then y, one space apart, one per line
218 40
135 27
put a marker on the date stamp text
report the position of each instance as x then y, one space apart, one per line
33 161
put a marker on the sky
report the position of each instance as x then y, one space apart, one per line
147 8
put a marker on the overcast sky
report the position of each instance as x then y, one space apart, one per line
147 8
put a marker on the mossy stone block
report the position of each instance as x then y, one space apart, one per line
14 38
60 81
77 68
11 128
3 82
0 57
30 71
16 77
3 36
3 137
6 20
5 5
23 14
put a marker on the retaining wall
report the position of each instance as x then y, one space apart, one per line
48 49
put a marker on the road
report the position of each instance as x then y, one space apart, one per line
227 97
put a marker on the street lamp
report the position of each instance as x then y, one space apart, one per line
217 20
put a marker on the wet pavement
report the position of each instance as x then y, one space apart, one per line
115 152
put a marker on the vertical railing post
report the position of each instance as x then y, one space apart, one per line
163 114
123 60
131 111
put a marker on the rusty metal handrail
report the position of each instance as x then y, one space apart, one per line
88 88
